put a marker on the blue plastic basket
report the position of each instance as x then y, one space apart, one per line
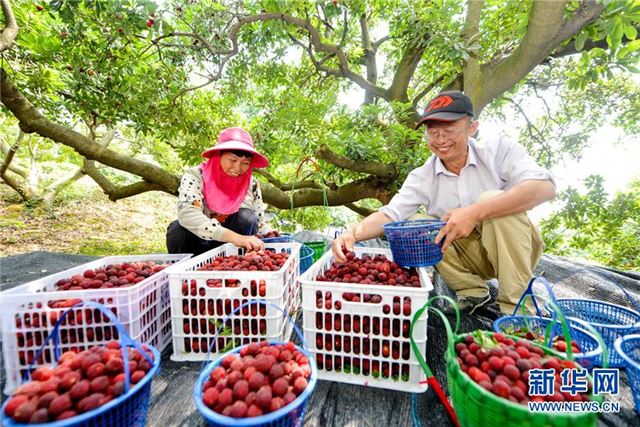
284 238
628 348
306 258
290 415
412 242
588 343
610 320
128 410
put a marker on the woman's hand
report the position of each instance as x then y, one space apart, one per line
250 243
342 243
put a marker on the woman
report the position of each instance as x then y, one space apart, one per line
220 201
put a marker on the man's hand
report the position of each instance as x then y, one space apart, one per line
250 243
459 223
343 242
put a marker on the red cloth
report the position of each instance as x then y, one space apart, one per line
223 193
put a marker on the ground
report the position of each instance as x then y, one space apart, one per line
82 222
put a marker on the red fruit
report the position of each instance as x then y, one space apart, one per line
14 402
89 360
501 389
39 416
39 8
225 397
486 385
263 397
511 372
24 412
276 371
66 414
239 409
233 377
256 381
137 376
276 403
299 385
217 374
210 397
100 384
90 402
46 399
29 389
95 370
150 23
254 411
241 389
80 390
471 360
114 366
42 373
280 387
523 365
264 363
70 379
60 404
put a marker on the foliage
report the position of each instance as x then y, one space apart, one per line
594 226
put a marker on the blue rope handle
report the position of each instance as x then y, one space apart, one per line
529 292
125 340
246 304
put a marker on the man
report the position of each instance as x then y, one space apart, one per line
482 191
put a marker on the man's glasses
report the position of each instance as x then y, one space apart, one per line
432 134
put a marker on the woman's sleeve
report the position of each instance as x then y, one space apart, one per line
190 213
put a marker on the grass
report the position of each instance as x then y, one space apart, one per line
84 221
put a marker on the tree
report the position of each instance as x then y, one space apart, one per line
591 225
278 68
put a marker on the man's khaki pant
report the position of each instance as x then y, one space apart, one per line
506 248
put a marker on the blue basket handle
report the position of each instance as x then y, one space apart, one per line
234 312
529 292
125 340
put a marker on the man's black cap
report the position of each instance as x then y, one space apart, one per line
447 106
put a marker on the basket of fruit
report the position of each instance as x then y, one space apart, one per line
488 375
275 236
548 331
628 348
306 258
89 388
413 242
258 384
610 320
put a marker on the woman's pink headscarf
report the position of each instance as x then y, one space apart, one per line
224 193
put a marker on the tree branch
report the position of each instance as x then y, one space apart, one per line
114 192
370 187
10 32
470 34
547 30
286 186
17 169
370 58
12 182
360 209
377 169
32 121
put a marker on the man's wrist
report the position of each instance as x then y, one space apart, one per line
353 232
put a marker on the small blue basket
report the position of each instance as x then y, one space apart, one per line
306 258
628 348
610 320
284 238
412 242
588 343
290 415
128 410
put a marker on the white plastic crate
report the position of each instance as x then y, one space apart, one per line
364 343
200 300
27 316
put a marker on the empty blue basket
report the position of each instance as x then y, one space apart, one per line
628 348
412 242
306 258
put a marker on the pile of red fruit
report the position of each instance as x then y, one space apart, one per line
111 276
252 261
263 379
501 366
268 235
558 341
370 271
80 383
